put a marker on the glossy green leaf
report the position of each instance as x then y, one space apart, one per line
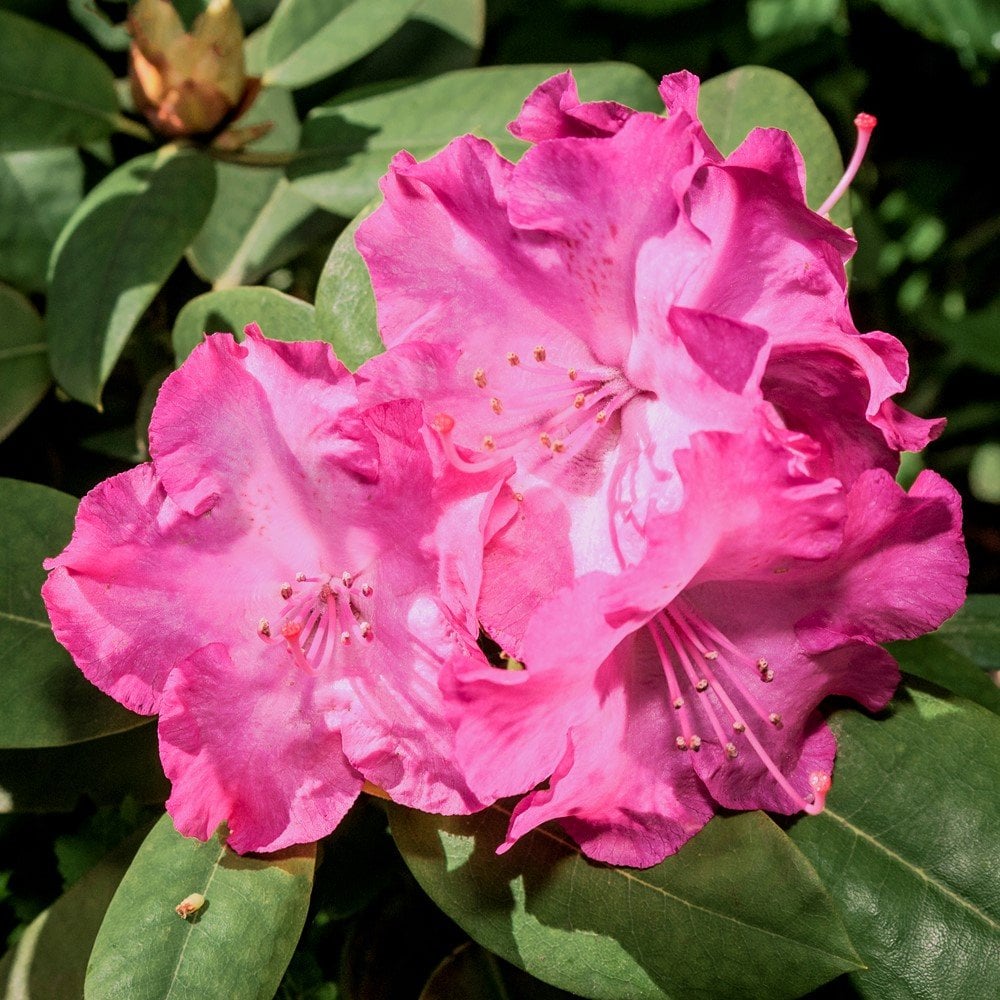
104 770
960 655
970 26
49 961
53 90
236 945
974 630
24 366
280 316
681 929
909 846
345 302
347 143
44 700
113 256
732 104
257 222
39 190
308 41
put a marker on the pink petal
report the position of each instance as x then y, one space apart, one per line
622 790
553 111
243 742
215 429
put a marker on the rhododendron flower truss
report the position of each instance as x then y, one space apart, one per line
620 288
691 680
270 585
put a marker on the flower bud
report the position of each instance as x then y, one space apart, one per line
186 83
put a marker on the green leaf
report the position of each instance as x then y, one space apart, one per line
309 41
105 770
24 366
970 26
237 945
113 256
53 90
345 302
39 190
44 699
347 143
257 222
961 653
49 961
750 97
974 630
280 316
908 845
683 928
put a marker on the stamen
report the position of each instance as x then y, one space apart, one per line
496 406
367 590
681 743
286 590
300 578
513 360
479 377
488 443
264 628
572 374
578 400
539 354
678 625
865 125
695 743
347 580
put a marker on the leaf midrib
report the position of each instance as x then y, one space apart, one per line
542 831
915 869
191 926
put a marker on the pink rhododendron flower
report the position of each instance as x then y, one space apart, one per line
585 311
278 585
702 539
